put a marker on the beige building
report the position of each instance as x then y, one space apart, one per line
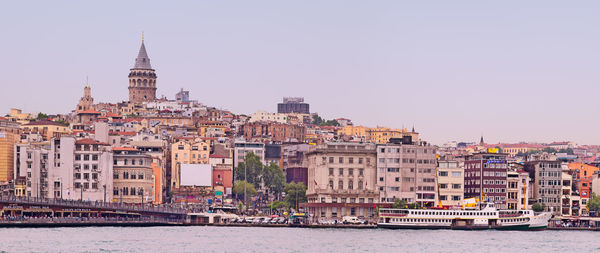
406 171
133 176
187 151
451 182
48 129
516 190
9 136
342 180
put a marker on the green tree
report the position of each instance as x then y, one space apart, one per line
593 204
254 168
549 150
295 194
42 116
537 207
317 120
414 205
569 151
273 178
238 189
399 203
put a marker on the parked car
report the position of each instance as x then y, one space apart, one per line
351 220
281 220
266 221
257 220
248 220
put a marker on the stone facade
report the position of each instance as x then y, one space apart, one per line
341 180
142 79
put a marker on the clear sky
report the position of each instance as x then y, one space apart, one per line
510 70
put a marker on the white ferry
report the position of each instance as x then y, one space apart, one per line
486 218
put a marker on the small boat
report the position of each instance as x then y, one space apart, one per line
487 217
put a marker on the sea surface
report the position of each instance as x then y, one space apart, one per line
257 239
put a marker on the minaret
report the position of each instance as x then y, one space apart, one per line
142 78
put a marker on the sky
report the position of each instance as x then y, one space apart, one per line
508 70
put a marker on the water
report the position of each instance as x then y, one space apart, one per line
247 239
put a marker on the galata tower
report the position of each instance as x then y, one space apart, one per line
142 78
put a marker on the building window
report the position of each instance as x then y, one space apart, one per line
132 192
350 185
361 172
77 175
125 175
77 157
330 159
94 157
133 176
94 166
115 175
141 176
350 171
94 185
125 191
443 173
86 176
360 185
341 185
86 157
341 171
350 160
360 160
116 192
330 184
341 160
331 171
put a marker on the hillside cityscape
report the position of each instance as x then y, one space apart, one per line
180 152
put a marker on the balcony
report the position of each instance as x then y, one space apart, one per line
345 191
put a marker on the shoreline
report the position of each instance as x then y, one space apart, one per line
20 224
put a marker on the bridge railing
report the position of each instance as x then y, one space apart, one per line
91 204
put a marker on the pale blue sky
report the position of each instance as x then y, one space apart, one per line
512 70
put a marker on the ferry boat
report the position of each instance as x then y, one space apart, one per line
466 219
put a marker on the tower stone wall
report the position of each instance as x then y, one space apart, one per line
142 79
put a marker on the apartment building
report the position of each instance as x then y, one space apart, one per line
133 177
485 177
342 180
406 170
451 182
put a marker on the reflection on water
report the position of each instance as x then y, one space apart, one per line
241 239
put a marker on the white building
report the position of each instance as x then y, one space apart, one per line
268 117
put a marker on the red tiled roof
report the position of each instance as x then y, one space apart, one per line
89 112
113 115
217 156
89 141
124 149
122 133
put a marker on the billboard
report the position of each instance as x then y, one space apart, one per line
196 175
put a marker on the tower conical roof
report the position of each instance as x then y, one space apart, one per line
142 61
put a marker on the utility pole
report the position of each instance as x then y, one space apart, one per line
104 186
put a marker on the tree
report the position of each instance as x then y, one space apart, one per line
569 151
414 205
254 168
537 207
399 203
549 150
273 178
238 189
593 204
317 120
42 116
295 194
